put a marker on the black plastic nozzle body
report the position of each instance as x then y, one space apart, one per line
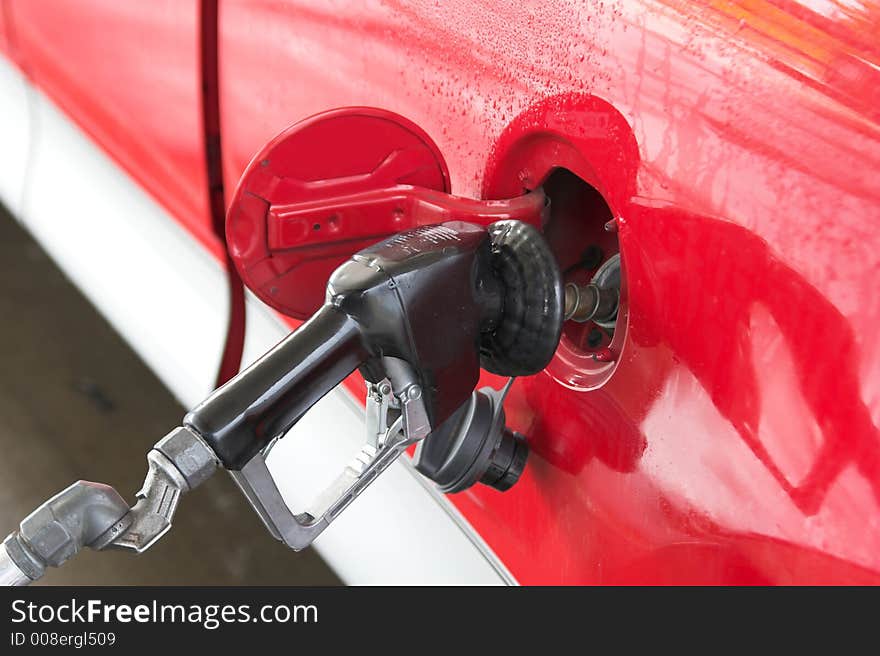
425 296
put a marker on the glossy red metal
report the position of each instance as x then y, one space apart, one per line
142 81
737 142
5 29
130 75
333 184
738 145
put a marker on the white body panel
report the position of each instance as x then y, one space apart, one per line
15 135
167 297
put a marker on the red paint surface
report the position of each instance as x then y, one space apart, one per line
129 74
209 76
134 76
736 440
4 31
336 183
292 219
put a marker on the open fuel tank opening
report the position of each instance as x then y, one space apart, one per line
582 233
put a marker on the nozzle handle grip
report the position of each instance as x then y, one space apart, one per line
265 400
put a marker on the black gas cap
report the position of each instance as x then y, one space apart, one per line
474 445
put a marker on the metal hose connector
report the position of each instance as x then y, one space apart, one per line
10 574
94 515
84 514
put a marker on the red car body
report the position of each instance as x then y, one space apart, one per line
734 438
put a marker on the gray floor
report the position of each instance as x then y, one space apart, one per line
76 402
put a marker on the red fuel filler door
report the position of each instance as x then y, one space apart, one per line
334 184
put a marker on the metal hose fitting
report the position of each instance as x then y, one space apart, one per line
94 515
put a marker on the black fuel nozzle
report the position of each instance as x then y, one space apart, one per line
418 314
444 298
